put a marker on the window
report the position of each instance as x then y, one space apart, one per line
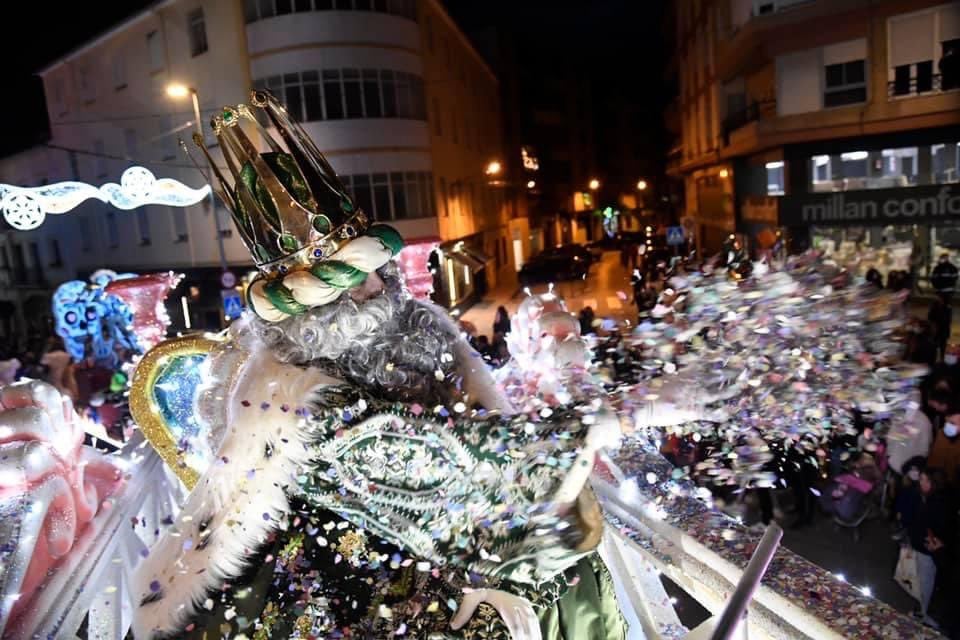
36 262
74 165
381 197
397 188
119 72
372 104
113 233
352 93
389 94
775 183
925 76
167 138
404 102
197 31
178 220
143 226
437 119
130 143
86 239
56 259
100 159
155 50
844 83
254 10
224 218
332 95
362 194
85 84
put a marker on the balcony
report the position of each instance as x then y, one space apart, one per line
759 110
921 86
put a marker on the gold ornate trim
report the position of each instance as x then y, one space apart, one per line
144 408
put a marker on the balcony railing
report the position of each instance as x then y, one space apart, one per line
922 85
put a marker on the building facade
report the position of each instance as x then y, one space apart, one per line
785 104
391 91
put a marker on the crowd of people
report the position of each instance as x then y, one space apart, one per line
97 392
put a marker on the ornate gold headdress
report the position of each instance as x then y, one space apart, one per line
303 230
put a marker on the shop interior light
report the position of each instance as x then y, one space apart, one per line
854 155
775 165
821 160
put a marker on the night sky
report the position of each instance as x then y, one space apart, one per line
619 41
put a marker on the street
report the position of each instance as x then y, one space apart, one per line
607 290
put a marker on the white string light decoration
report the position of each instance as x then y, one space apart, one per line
25 208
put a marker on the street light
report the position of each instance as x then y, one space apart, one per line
594 184
642 185
724 173
493 168
531 184
178 91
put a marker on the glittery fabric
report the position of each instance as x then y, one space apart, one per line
398 512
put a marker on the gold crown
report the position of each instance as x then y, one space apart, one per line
289 206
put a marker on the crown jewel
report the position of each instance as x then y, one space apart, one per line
287 203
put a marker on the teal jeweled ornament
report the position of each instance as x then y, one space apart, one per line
288 242
321 224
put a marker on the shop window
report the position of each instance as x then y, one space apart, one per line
155 50
775 181
178 220
844 83
56 258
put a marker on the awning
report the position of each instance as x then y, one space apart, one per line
470 257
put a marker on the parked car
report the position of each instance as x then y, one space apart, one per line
576 252
553 267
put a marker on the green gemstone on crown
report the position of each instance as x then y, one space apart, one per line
321 224
346 205
227 115
288 242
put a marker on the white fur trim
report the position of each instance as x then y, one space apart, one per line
231 499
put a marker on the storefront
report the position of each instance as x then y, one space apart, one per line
902 229
886 201
462 268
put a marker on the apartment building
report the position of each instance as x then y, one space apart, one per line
392 92
828 122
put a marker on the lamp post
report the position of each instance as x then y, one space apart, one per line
178 92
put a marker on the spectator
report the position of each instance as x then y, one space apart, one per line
846 495
945 452
873 277
907 440
944 277
60 368
586 318
501 321
940 317
928 525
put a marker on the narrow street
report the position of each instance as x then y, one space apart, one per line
607 290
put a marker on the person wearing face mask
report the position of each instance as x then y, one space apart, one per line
928 532
945 453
